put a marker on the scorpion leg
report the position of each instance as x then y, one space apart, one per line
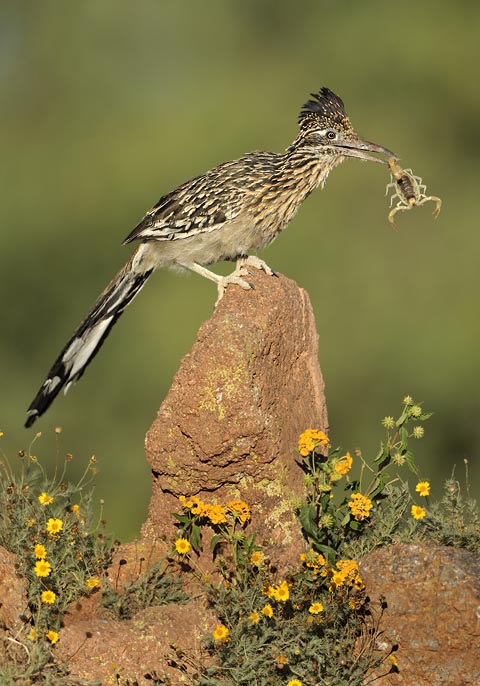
433 198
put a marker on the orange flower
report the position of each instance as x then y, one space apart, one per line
311 439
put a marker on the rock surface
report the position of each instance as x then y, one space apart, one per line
162 643
229 424
13 601
433 613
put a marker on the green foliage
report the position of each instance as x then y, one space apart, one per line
335 646
315 624
61 553
455 519
339 510
227 523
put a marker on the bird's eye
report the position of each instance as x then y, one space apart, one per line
331 134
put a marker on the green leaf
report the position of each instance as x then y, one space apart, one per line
196 538
184 518
307 517
386 461
215 541
326 551
403 437
381 453
410 461
379 483
356 526
403 417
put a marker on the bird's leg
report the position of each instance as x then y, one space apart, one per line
254 261
221 281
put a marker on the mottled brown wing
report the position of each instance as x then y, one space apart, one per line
202 204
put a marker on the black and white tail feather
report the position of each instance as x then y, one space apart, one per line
90 335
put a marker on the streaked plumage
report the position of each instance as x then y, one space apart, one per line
227 213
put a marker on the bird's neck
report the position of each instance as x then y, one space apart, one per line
307 168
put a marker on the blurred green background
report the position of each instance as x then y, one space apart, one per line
108 104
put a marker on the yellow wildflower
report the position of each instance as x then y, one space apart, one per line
343 466
294 682
40 552
241 509
281 592
215 513
185 503
393 660
93 582
315 608
360 506
347 573
48 597
54 526
182 546
423 488
311 439
76 510
254 617
45 499
32 635
52 636
256 558
267 610
197 507
221 633
418 512
42 568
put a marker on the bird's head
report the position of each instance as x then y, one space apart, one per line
325 127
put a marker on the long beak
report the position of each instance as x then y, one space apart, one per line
360 148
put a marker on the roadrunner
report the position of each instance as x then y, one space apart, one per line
225 214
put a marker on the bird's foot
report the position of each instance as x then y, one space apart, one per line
236 278
256 262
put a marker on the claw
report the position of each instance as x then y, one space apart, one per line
236 278
257 263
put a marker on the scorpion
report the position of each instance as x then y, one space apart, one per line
409 191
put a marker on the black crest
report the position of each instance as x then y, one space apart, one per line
324 106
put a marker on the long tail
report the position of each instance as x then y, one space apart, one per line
90 335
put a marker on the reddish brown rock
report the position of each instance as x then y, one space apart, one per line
13 593
228 426
161 643
433 613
